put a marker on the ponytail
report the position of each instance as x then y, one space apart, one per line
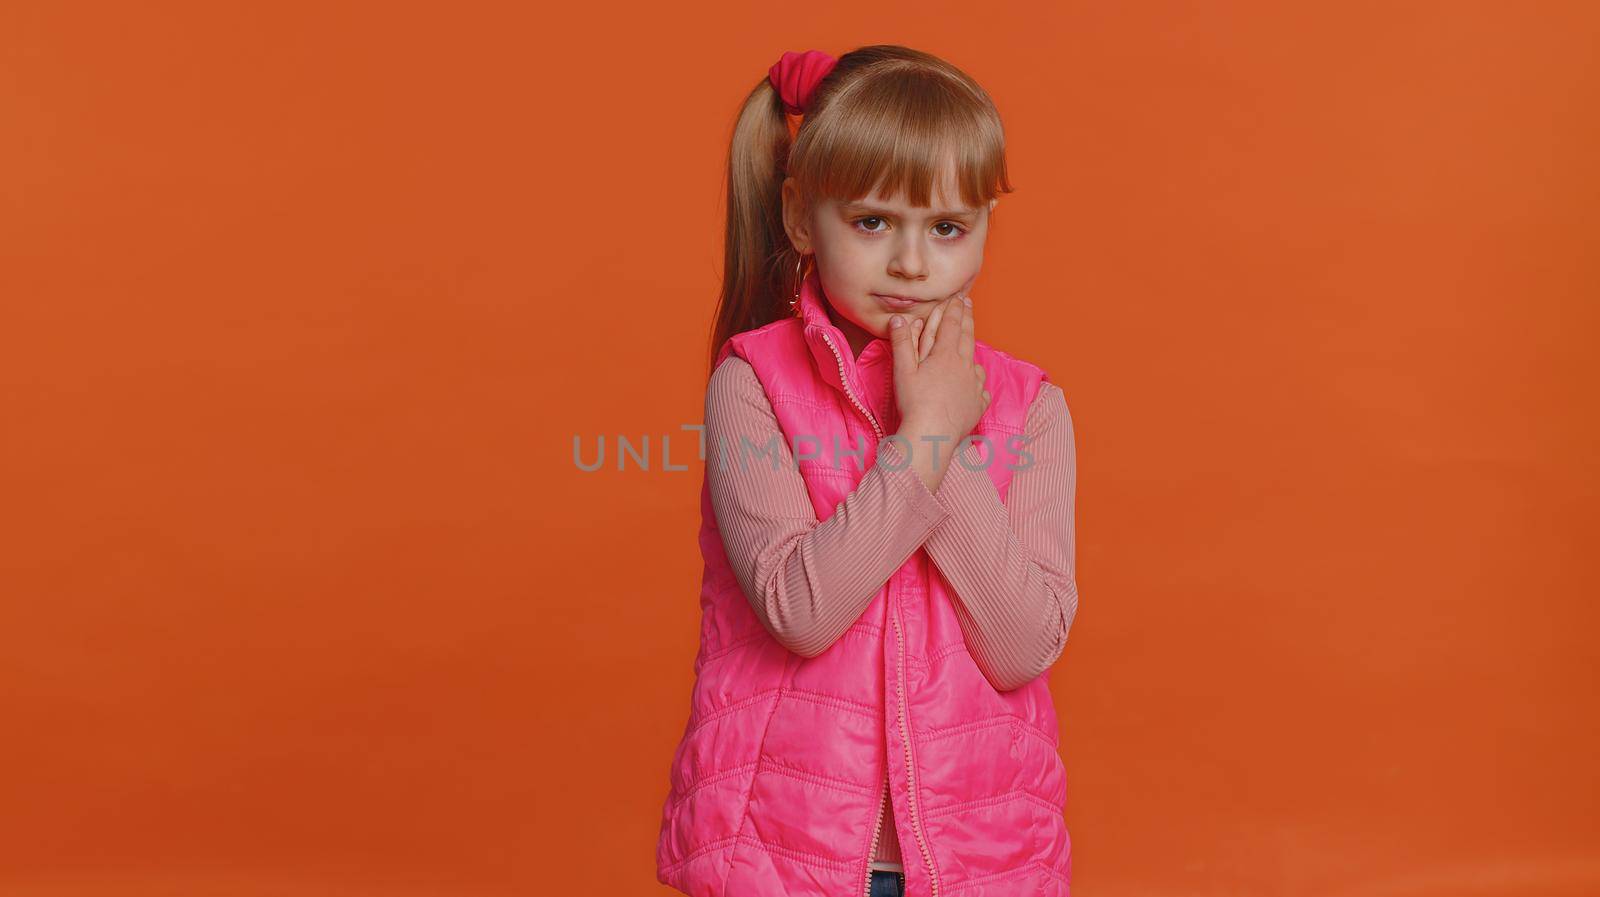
758 259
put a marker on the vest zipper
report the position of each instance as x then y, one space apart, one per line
901 671
877 831
843 381
905 737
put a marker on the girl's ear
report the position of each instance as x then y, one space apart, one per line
794 217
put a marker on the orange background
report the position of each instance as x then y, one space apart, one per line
303 306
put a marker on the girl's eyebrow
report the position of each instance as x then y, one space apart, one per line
859 207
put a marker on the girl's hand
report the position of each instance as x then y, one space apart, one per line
938 387
922 335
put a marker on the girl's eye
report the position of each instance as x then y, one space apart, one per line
955 233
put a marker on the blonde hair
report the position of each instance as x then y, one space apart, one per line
886 117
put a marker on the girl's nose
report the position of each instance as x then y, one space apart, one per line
909 261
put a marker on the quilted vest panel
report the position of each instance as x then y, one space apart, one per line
777 779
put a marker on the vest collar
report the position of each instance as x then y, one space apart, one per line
820 331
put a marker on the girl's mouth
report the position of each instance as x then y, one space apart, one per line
898 303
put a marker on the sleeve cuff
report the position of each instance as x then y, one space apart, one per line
897 471
966 481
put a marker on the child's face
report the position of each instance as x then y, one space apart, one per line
878 247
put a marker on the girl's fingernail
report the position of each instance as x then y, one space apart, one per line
967 300
896 320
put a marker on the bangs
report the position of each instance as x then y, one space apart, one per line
914 135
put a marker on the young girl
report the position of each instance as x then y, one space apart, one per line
886 518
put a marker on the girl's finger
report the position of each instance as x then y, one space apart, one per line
916 338
968 330
929 331
950 326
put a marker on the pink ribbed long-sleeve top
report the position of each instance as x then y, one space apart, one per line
1010 564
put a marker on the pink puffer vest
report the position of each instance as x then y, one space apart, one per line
776 784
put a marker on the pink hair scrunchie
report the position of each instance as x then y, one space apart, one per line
796 75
